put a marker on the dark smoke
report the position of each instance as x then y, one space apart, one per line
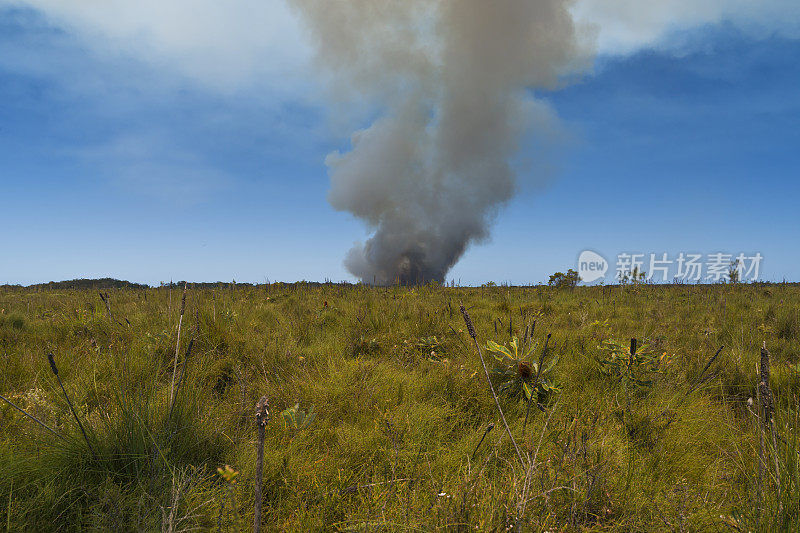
453 80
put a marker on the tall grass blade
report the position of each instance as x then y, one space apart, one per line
54 368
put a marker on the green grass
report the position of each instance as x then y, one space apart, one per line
401 403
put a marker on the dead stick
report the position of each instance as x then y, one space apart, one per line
262 417
768 409
177 346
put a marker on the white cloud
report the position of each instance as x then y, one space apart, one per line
226 46
260 44
260 48
625 26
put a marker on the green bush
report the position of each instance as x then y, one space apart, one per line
560 280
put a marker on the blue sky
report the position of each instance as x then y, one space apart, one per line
113 163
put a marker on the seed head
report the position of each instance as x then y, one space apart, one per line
53 367
183 300
262 411
468 322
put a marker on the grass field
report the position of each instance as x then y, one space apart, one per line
397 404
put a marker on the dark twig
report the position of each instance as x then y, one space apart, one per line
54 368
485 432
21 410
107 302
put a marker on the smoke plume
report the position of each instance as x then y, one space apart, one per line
453 82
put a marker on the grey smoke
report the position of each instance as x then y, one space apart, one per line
453 81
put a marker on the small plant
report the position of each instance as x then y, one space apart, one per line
634 276
734 270
363 346
297 418
518 375
229 476
431 347
632 366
